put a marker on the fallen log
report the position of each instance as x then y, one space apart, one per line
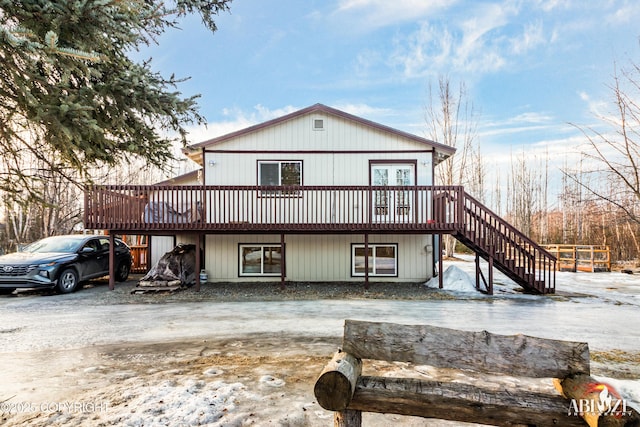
517 355
486 392
337 381
461 402
159 283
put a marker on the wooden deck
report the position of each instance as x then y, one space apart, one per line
265 209
161 209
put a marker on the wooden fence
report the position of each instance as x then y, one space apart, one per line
589 258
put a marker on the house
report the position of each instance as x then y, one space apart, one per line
305 196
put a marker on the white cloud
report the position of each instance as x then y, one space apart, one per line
473 45
237 120
364 110
373 14
629 12
597 107
532 37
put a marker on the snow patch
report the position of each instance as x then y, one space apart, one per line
453 279
192 402
272 381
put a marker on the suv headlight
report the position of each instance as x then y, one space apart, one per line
45 268
49 264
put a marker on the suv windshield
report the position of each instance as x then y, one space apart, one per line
54 244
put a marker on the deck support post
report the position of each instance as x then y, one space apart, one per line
198 261
490 287
366 260
440 263
477 271
283 261
112 261
479 275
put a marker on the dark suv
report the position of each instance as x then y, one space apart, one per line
62 262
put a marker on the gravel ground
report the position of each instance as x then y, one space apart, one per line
260 291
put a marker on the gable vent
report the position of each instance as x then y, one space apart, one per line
318 124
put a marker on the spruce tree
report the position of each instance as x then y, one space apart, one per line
71 96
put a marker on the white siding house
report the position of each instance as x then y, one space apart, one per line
318 195
320 146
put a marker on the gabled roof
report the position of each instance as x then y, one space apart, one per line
187 178
194 151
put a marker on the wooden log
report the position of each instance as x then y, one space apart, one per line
348 418
337 381
598 403
462 402
517 355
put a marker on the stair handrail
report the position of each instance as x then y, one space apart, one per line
501 220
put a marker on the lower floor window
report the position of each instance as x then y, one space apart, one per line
383 260
260 260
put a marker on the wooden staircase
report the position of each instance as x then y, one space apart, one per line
505 248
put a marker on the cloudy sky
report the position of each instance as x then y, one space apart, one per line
530 67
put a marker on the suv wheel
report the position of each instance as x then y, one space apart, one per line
68 281
122 271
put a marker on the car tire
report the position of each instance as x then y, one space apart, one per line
122 271
67 281
6 291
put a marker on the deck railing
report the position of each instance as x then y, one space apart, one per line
274 208
524 260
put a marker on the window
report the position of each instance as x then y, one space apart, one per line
383 260
260 260
280 173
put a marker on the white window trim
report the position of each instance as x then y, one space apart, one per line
373 265
279 163
261 246
272 193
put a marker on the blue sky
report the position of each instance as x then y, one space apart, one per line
530 67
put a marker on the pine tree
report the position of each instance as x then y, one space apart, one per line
71 97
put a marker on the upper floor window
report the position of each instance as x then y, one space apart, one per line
279 172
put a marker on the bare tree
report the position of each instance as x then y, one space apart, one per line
59 208
521 190
615 154
451 120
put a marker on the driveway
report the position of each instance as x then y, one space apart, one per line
100 356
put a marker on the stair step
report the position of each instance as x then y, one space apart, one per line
490 236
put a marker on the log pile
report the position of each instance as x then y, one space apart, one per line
173 272
341 387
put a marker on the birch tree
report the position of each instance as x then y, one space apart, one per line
615 152
451 120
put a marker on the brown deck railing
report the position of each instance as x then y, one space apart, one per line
274 208
515 254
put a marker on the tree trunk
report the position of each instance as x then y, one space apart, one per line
479 351
348 418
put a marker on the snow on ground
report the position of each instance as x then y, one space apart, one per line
617 287
589 288
248 363
453 279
